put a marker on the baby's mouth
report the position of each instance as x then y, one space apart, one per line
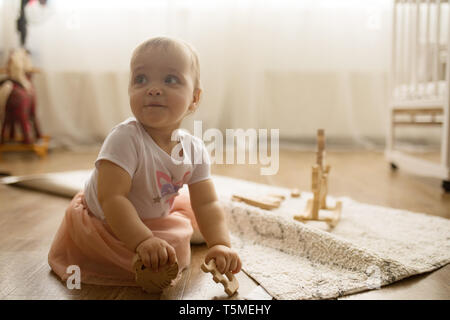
154 105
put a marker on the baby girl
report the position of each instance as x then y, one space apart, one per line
132 202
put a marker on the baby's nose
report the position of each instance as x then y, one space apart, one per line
154 92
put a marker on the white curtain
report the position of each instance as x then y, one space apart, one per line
291 65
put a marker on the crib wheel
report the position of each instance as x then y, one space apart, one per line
393 166
446 185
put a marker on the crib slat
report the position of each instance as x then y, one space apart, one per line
410 47
404 44
416 49
436 48
427 46
394 72
445 145
400 39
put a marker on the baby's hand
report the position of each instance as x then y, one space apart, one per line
226 259
156 253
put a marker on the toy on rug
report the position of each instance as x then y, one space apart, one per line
230 283
320 189
18 107
295 193
154 282
268 202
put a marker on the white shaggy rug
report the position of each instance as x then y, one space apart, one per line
372 246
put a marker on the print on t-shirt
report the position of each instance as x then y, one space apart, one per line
168 188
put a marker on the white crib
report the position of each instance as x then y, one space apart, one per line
420 81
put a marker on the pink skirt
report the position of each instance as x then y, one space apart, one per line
86 241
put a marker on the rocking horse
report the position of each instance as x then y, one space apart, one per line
18 107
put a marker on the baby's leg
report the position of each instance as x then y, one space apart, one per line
89 243
84 241
182 204
197 237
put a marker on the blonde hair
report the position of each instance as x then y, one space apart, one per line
166 42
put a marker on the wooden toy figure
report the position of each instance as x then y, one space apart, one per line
319 187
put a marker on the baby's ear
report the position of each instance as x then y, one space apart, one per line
195 100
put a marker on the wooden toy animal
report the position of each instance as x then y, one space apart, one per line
154 282
230 283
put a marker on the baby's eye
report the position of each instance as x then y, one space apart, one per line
140 79
170 79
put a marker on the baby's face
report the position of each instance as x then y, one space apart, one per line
161 87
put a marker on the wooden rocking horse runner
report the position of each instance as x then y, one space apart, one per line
320 189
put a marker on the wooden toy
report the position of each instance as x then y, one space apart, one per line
268 202
18 107
230 283
295 193
154 282
40 147
277 196
320 189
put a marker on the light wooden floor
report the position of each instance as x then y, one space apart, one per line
29 220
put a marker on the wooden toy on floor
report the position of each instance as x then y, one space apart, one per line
267 202
230 283
295 193
154 282
320 188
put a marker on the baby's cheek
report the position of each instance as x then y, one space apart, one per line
135 100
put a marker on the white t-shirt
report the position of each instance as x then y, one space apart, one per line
156 176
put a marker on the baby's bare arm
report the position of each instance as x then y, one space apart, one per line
211 221
113 186
209 213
